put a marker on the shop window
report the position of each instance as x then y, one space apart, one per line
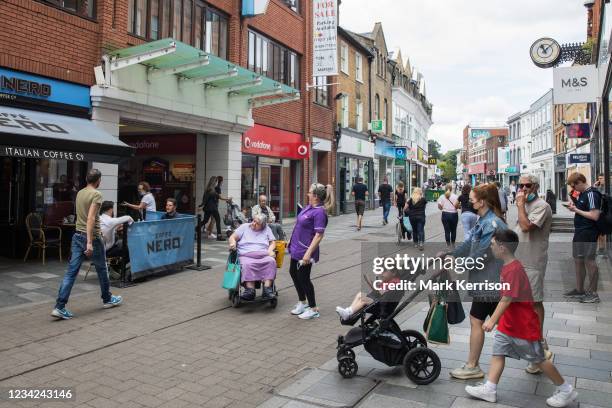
273 60
320 90
83 8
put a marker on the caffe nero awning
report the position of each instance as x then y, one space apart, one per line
39 135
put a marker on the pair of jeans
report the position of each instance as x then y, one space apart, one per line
450 221
418 229
468 220
386 208
78 247
302 282
216 216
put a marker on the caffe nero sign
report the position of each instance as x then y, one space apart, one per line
18 87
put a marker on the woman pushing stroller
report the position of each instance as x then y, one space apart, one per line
255 243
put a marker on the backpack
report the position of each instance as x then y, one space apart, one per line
604 223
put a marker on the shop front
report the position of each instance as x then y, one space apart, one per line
44 159
560 180
386 164
580 161
185 111
476 173
355 159
272 161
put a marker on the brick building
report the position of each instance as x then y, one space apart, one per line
480 143
192 86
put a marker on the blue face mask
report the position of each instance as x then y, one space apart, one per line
531 197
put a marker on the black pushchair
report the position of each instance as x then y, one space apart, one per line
233 218
386 342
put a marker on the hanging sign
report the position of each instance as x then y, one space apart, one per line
325 37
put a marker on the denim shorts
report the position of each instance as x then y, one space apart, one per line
519 349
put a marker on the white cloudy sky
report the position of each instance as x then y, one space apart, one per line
474 54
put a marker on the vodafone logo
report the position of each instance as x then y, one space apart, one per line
302 150
258 144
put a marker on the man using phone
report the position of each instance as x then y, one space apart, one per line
86 242
584 245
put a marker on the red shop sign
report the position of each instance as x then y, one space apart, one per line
268 141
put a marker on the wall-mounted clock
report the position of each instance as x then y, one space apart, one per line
545 52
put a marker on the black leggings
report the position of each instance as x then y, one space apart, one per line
449 221
215 215
302 282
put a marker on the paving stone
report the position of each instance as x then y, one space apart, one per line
418 395
604 339
590 345
568 316
45 275
556 341
582 372
28 285
36 297
607 320
467 402
594 363
594 385
588 338
385 401
16 274
602 355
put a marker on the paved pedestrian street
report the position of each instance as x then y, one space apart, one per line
177 342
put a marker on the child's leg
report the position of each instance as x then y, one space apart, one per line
496 369
549 369
359 302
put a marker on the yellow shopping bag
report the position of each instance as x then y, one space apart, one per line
280 253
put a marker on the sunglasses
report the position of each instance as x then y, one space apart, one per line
528 185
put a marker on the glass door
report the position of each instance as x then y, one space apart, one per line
11 184
264 181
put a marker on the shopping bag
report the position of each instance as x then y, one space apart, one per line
407 225
231 277
437 328
280 253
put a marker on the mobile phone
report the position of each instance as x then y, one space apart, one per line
565 204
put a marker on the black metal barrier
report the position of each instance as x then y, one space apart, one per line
197 266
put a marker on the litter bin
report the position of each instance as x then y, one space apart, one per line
433 195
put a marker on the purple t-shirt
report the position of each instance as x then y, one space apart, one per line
311 220
251 240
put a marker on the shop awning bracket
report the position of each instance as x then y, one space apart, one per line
124 62
233 89
260 102
154 73
211 79
277 90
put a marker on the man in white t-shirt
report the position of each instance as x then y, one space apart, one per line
109 225
533 229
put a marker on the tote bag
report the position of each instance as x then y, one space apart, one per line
231 277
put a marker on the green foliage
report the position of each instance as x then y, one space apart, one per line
433 149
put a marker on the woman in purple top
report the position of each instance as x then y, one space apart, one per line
304 247
255 244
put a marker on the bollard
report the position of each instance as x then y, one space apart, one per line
198 265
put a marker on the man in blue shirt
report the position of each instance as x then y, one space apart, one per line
584 248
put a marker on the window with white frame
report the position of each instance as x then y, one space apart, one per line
358 67
344 58
359 116
345 111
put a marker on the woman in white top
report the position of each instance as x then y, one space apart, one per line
448 204
147 201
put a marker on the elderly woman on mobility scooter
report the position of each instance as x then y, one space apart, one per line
255 243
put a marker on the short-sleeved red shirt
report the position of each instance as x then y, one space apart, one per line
520 319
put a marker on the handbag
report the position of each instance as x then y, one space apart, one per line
280 253
407 225
231 276
437 327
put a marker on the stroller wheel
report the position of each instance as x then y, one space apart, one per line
422 365
414 338
345 352
273 303
347 367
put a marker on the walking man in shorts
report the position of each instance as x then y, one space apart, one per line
533 229
584 245
360 193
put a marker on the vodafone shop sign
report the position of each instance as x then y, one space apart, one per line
266 141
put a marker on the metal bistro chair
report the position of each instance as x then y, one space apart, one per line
37 233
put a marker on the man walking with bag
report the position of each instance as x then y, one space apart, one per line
86 242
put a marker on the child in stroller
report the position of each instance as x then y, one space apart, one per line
360 301
385 341
233 218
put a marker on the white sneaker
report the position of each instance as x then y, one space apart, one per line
344 313
309 314
562 399
298 309
212 236
481 391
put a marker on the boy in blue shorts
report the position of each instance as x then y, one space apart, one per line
518 327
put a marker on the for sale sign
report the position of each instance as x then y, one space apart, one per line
325 37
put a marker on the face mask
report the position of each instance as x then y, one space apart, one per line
531 197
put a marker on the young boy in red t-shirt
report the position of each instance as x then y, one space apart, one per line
518 327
